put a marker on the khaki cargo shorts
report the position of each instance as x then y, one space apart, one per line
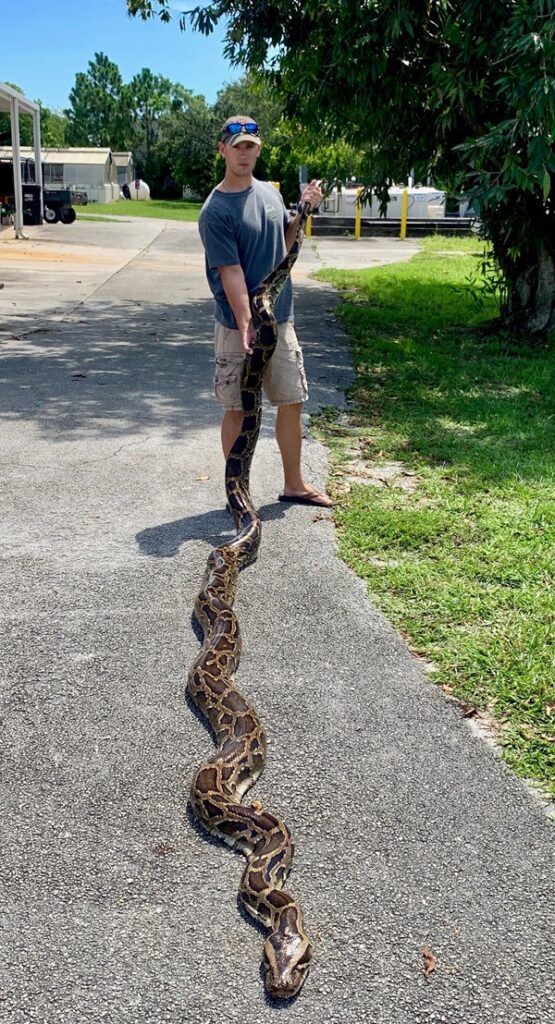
284 380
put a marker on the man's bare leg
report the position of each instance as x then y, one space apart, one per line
231 428
289 438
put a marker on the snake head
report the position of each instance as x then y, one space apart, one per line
287 954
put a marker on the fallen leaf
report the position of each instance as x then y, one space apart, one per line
469 710
430 961
549 708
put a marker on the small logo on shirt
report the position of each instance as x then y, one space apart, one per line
271 211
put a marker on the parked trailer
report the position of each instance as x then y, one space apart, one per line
57 204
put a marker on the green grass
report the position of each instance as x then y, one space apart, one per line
464 563
164 209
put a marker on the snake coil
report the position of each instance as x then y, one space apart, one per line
222 781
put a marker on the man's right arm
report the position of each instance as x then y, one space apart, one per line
235 288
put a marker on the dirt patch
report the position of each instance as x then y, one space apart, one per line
386 474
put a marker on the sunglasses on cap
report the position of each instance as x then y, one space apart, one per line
235 128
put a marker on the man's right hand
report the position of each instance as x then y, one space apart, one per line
248 334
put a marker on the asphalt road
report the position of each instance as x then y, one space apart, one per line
410 832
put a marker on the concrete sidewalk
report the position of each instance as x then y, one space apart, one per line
409 831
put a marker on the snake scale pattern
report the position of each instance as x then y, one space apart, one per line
221 782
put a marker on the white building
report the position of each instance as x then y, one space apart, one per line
93 171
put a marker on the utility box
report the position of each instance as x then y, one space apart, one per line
32 204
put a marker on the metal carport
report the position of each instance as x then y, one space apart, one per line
14 103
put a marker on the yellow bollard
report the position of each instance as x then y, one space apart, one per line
308 228
404 210
358 214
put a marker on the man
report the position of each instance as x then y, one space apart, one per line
246 231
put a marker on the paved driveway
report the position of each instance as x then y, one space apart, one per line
410 832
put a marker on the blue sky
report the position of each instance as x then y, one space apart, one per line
46 42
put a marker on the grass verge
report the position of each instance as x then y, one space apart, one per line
445 466
163 209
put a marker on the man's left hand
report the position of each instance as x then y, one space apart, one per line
312 194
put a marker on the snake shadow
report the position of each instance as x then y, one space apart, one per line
215 527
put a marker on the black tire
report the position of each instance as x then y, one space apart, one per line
67 214
51 214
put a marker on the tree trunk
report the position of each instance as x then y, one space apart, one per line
530 306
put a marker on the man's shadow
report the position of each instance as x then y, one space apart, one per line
214 527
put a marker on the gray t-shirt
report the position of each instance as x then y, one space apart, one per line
247 228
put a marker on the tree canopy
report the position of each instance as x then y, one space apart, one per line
459 89
172 132
96 115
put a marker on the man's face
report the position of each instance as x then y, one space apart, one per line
241 158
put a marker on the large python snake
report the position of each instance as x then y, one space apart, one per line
222 781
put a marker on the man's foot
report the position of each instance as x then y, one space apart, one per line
307 497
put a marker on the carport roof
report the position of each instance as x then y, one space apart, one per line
7 94
60 156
